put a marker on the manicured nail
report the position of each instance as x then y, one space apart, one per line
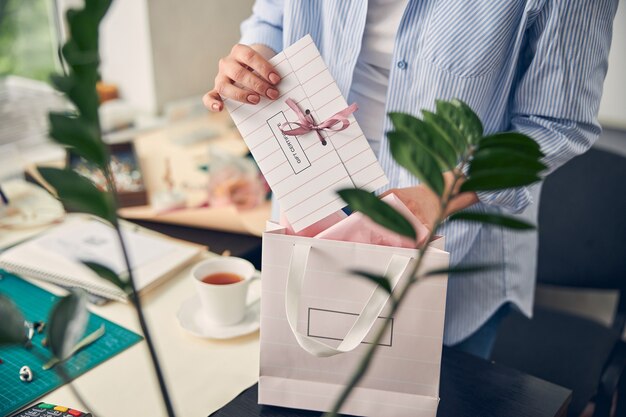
272 93
253 99
215 106
274 78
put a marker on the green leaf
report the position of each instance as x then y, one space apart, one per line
494 158
81 91
461 116
512 141
67 323
98 9
77 193
461 270
77 134
84 62
428 136
471 122
379 211
84 342
83 26
447 130
12 331
84 75
63 83
500 178
417 160
494 219
108 274
377 279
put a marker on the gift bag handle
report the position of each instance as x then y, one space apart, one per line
396 269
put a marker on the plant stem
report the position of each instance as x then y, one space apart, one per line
413 277
60 369
136 301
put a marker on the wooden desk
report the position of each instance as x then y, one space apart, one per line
470 387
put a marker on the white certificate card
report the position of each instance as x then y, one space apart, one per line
304 173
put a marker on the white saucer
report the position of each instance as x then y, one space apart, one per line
192 319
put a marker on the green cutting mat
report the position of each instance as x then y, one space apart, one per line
35 303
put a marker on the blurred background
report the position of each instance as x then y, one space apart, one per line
154 53
158 59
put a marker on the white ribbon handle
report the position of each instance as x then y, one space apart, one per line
396 269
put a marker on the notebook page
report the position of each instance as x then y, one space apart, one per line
94 241
304 174
56 256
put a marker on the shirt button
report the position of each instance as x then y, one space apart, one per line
402 64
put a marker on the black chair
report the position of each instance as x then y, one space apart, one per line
582 244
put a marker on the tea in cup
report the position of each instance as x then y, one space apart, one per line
222 284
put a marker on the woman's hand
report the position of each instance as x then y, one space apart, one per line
422 202
425 204
244 75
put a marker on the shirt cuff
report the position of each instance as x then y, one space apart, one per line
514 200
263 34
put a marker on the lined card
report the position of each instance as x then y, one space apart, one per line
304 174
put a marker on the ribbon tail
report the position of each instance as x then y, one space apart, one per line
331 124
288 130
339 117
294 106
343 114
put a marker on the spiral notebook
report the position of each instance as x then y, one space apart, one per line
56 256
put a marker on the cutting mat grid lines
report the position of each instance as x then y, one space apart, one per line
36 303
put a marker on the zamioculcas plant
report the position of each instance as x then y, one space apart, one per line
449 139
79 131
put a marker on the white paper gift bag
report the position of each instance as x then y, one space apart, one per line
317 319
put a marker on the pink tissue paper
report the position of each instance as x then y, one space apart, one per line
359 228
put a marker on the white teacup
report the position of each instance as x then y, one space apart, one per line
224 304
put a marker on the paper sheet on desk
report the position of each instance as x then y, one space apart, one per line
96 242
226 218
302 172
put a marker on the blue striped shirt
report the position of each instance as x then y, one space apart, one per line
533 66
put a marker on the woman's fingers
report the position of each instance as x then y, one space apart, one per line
213 101
245 76
240 74
251 58
226 89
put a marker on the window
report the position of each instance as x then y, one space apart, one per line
28 41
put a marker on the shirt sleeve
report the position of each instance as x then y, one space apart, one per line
265 26
558 95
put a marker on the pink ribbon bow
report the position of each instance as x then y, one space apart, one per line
307 124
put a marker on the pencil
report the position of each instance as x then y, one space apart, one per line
4 198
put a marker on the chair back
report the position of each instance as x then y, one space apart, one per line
582 223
